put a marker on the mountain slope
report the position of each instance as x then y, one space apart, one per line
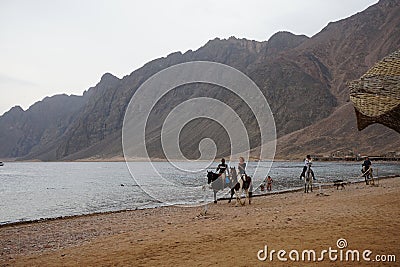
100 121
338 132
45 121
349 47
304 80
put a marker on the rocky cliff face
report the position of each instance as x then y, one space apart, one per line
338 132
22 132
304 80
349 47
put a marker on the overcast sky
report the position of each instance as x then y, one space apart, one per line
52 46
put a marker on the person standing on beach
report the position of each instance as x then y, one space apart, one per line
269 183
366 169
307 162
222 169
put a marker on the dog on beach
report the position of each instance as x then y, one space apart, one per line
339 183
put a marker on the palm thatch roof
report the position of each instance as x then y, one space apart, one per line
376 95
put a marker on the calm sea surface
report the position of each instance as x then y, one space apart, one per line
34 190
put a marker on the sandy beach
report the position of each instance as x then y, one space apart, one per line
366 216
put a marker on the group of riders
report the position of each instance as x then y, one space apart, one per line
366 169
223 172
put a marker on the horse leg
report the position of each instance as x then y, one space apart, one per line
372 178
239 188
367 177
240 197
237 196
215 196
247 196
250 196
232 193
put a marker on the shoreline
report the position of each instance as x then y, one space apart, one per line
300 160
366 216
100 213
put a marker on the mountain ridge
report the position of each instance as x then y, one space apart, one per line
303 78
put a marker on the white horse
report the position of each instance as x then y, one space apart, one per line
232 171
369 178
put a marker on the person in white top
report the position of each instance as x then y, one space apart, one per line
307 161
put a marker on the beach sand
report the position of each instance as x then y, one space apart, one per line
368 217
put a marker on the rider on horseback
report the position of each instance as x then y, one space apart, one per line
367 170
242 166
222 169
307 164
242 173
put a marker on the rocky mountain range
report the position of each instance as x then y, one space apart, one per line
304 80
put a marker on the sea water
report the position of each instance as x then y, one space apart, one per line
35 190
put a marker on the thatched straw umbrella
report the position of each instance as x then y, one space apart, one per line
376 95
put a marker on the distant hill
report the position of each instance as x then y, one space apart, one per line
304 80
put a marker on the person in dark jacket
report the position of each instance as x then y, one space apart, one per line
367 170
222 169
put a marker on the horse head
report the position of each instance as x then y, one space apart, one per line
209 176
233 173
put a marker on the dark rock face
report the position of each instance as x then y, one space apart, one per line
282 41
44 122
304 80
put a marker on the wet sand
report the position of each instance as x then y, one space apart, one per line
368 217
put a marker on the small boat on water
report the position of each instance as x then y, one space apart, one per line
1 163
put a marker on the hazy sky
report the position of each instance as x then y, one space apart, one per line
53 46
